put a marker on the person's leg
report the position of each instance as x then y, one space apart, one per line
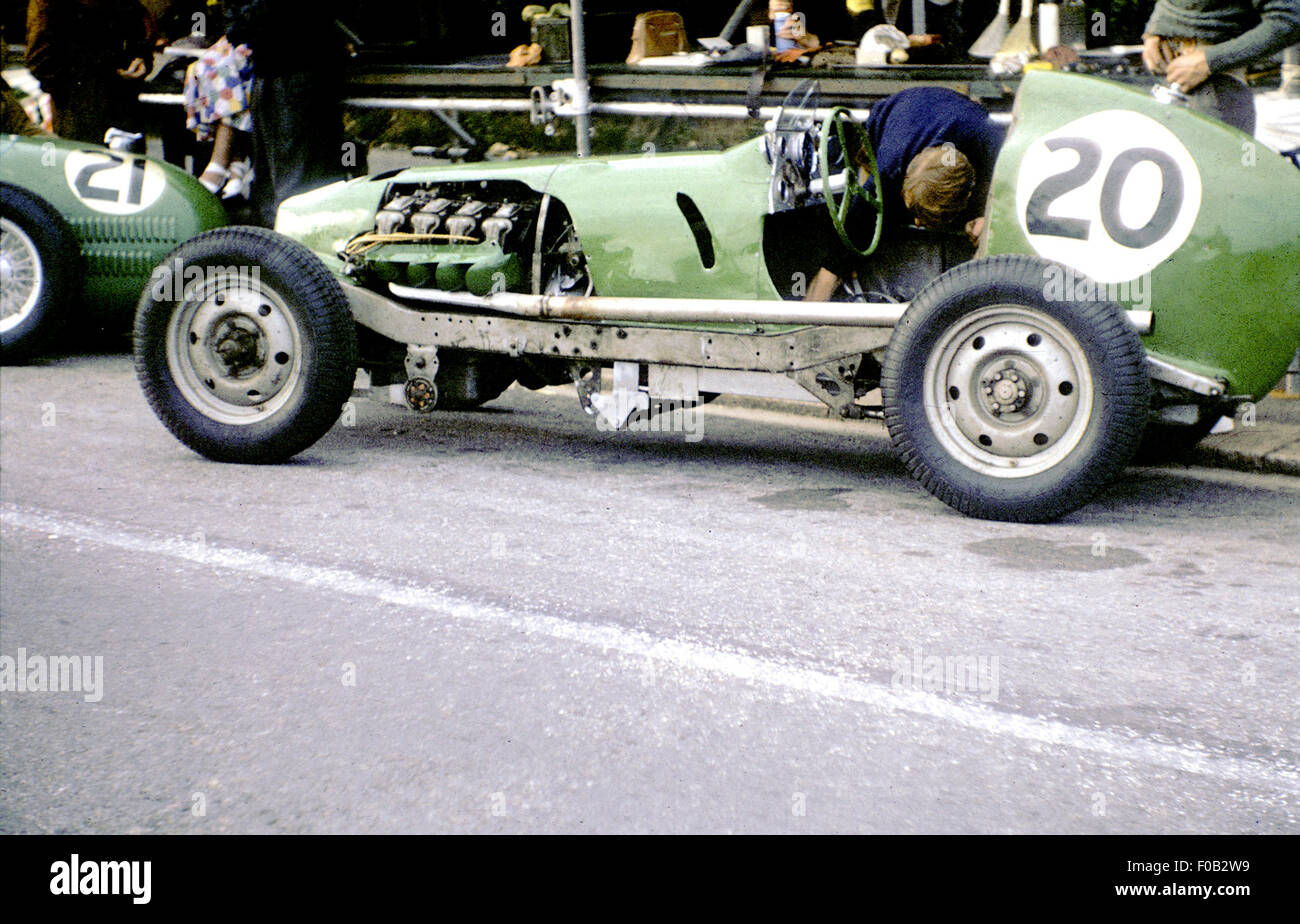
262 195
302 148
80 111
241 168
217 171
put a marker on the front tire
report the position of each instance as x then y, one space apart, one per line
245 346
1006 404
39 269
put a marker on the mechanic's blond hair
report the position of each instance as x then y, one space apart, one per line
937 186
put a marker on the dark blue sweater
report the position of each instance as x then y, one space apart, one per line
905 124
902 126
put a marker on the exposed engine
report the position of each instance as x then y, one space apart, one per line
461 213
478 237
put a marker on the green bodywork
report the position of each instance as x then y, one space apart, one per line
634 234
120 249
1226 303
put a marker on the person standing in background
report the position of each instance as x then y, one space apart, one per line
863 14
295 103
1204 45
89 56
217 90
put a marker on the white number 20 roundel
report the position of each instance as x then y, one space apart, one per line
1111 194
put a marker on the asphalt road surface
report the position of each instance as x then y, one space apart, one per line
509 621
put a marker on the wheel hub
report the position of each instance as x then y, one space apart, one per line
237 350
1006 392
421 395
1008 388
241 346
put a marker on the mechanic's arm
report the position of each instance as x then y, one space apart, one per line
1279 28
838 262
822 287
138 44
133 71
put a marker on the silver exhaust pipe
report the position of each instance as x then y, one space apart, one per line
684 310
666 310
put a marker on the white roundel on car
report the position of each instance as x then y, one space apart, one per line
114 183
1112 194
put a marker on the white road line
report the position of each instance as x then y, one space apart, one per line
687 655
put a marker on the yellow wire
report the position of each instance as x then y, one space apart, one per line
365 241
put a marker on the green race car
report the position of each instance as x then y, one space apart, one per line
81 230
1140 275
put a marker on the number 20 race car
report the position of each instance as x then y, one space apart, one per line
1139 273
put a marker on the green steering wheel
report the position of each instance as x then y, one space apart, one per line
841 121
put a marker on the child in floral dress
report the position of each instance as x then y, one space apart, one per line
217 90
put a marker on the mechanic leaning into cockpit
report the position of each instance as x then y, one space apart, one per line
935 150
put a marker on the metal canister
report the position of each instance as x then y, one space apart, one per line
552 33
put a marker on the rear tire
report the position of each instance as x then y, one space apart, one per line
39 272
1008 405
251 353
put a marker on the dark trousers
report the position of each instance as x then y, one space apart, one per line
90 105
297 138
1228 100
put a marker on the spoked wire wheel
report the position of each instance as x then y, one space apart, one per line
40 270
21 276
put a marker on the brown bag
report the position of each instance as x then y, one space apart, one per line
656 34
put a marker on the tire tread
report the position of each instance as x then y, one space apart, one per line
327 321
1016 279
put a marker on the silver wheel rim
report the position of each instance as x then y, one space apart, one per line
21 276
1008 391
235 349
